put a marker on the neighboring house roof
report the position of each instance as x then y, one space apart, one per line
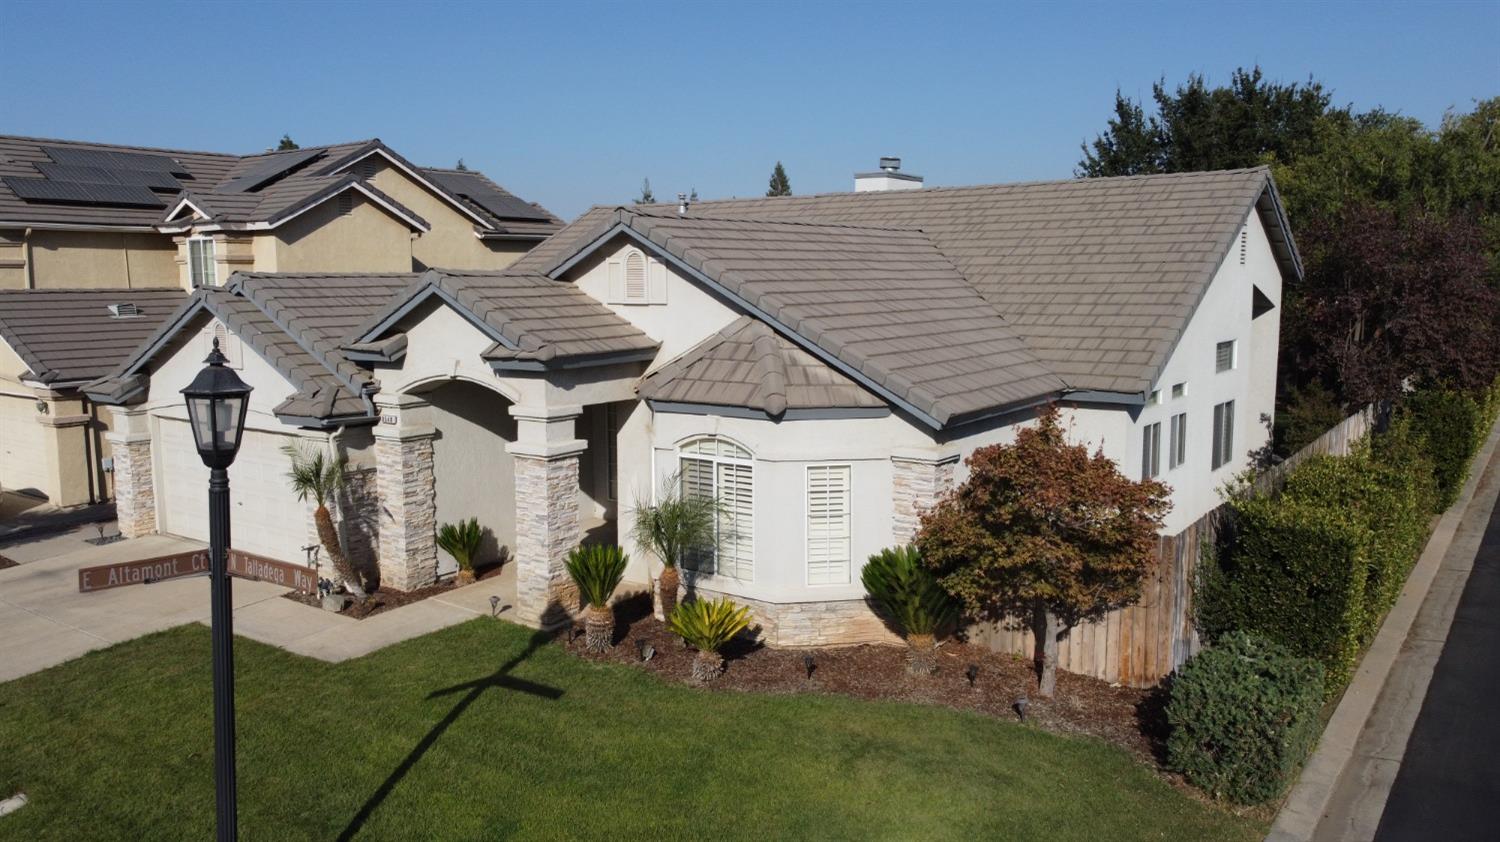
747 364
1097 277
65 336
513 217
93 184
536 322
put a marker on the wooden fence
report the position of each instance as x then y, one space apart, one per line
1140 645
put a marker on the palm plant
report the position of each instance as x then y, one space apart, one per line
321 476
676 525
911 598
707 625
461 540
597 571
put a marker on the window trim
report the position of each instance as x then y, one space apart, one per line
1151 451
748 462
194 264
807 525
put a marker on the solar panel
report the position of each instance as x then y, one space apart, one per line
111 160
82 193
268 168
103 175
481 193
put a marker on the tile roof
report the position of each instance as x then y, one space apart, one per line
67 335
504 228
747 364
1097 277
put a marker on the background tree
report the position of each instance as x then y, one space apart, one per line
780 184
1045 532
286 144
646 197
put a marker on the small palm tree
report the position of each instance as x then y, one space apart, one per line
461 540
708 625
911 598
672 528
318 475
597 571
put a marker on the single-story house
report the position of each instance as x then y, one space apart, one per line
819 364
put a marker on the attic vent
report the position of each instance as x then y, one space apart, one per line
346 203
1244 243
124 310
635 277
365 169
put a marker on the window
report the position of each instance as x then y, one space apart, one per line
719 469
1223 434
1224 356
635 277
828 524
201 261
1178 390
1177 445
1151 450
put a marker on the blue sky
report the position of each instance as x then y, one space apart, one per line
572 104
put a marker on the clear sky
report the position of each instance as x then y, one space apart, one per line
572 104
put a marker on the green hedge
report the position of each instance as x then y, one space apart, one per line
1451 426
1244 715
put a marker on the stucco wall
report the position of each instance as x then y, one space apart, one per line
89 259
367 239
473 473
451 244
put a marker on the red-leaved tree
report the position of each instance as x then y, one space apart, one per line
1044 531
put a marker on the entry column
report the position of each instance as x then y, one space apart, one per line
546 454
919 478
130 453
408 499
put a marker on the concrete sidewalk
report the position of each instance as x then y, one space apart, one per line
45 621
1342 790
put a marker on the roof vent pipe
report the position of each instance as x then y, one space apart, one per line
888 177
682 204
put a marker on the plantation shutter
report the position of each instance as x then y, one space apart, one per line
635 277
1178 452
698 484
736 520
1224 356
201 261
828 524
1151 451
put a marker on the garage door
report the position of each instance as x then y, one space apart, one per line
267 518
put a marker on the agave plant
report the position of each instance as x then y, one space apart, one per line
461 540
597 571
671 528
707 625
320 476
909 596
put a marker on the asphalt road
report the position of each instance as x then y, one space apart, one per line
1448 787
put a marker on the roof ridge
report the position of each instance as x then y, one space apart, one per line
796 222
138 148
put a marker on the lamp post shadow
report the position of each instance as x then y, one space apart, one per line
499 678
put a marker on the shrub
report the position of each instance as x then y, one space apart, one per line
707 625
597 571
909 596
1451 426
1243 717
461 540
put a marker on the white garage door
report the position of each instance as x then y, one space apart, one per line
266 517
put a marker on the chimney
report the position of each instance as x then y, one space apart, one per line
888 177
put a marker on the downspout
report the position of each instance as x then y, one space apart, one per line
30 267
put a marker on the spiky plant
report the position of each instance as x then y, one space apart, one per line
910 597
674 526
316 474
461 540
707 625
597 571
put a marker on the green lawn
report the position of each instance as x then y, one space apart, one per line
475 732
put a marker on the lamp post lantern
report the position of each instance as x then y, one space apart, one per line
217 400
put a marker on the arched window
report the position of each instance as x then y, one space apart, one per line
635 276
719 469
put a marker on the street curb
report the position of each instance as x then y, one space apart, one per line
1309 799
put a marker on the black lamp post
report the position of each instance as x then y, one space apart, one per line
216 403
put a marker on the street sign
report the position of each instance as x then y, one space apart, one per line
147 570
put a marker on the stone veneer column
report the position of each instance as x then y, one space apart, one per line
406 486
135 490
918 480
547 526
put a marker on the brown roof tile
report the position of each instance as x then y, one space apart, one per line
67 335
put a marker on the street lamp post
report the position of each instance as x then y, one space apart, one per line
216 402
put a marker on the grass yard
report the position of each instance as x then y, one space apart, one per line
483 731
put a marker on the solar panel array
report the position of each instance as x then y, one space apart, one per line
483 194
111 160
83 193
270 167
154 179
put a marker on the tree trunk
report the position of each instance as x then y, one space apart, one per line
1044 629
667 591
330 538
707 665
598 628
921 654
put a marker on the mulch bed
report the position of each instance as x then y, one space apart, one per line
1120 715
385 599
5 562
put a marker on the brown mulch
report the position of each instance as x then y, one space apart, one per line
5 562
384 599
1119 715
